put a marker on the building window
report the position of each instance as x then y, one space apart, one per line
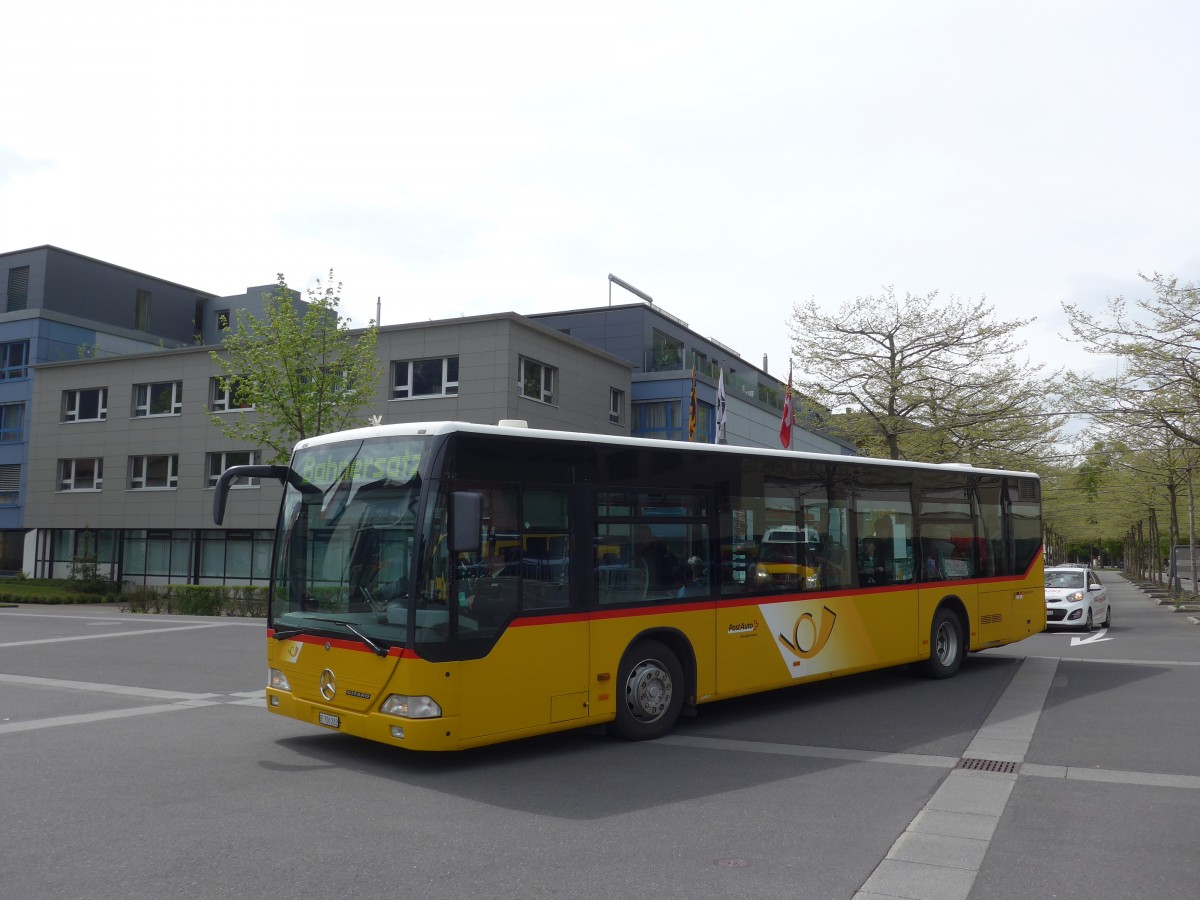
67 546
235 557
141 312
668 420
10 484
219 462
198 321
164 398
18 289
656 419
425 378
616 406
537 380
86 405
223 396
80 474
12 423
666 354
222 320
153 472
157 556
14 360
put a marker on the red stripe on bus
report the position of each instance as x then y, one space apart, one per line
343 645
694 606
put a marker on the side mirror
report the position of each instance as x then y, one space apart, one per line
466 521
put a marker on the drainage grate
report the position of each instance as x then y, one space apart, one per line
988 765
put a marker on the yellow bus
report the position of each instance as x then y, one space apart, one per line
633 583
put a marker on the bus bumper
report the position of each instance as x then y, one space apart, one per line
413 734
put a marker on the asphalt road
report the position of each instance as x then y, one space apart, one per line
137 761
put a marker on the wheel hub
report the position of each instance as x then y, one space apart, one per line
648 691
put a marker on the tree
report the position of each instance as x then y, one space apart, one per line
924 379
1158 344
305 373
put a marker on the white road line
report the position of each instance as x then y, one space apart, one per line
183 700
98 687
256 701
133 617
1115 662
68 616
86 718
899 759
1070 773
111 634
1113 776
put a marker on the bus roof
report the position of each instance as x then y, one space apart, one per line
506 430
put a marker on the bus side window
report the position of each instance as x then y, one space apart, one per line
620 576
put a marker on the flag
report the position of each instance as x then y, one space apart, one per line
721 405
785 425
692 409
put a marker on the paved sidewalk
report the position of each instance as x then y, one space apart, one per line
1161 594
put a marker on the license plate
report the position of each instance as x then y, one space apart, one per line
330 720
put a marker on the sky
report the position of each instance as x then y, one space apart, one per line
729 159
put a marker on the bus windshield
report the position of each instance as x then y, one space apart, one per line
345 541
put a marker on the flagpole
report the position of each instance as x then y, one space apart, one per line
721 408
785 422
692 407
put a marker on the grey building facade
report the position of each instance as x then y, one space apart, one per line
663 351
130 483
57 305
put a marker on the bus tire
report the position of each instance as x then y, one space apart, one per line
652 688
946 645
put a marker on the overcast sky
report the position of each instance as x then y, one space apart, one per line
729 159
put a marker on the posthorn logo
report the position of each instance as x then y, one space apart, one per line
808 636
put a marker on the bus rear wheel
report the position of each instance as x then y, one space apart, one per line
652 688
946 645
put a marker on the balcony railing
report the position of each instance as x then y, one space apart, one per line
676 360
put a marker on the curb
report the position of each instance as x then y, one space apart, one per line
1156 595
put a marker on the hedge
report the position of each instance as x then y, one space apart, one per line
197 599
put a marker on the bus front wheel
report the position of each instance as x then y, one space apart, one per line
946 645
652 688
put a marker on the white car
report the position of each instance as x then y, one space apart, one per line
1076 598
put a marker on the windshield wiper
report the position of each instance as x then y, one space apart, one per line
290 632
349 626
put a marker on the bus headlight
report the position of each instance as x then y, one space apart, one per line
411 707
277 680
